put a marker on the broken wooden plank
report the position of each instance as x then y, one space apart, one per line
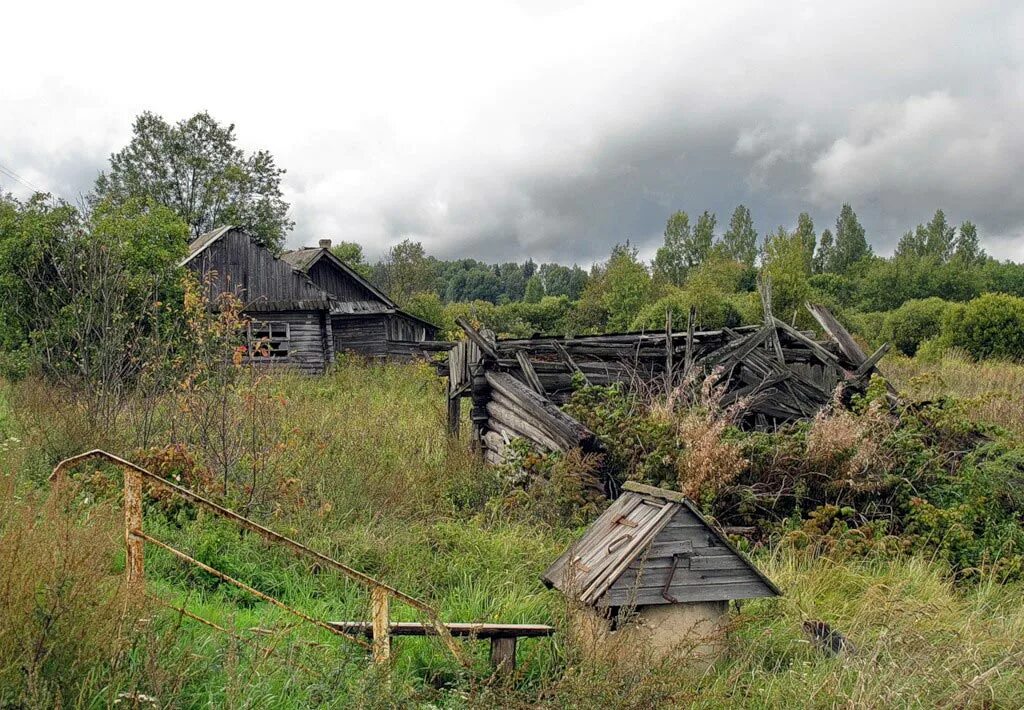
486 347
529 373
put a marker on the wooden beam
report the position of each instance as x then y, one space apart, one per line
868 365
466 630
454 415
769 319
381 625
529 373
669 351
567 359
691 320
486 347
503 654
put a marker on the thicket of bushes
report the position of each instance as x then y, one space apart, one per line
922 478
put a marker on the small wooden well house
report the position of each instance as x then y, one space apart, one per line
654 565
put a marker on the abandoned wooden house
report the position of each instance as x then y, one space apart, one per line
305 306
363 318
651 562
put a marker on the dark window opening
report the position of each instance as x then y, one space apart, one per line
268 340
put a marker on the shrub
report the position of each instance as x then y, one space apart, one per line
989 326
714 310
912 323
867 325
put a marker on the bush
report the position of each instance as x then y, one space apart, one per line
989 326
867 325
912 323
714 310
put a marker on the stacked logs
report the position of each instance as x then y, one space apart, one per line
773 374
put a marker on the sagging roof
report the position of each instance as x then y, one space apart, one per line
652 546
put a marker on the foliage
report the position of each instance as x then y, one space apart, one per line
352 254
787 264
89 299
913 323
625 287
196 168
988 326
739 242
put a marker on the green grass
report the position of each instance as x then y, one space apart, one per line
360 469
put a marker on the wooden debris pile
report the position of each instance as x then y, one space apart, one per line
774 372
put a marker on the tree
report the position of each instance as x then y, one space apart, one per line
939 237
406 270
352 254
563 281
825 255
534 289
805 233
627 287
968 249
850 245
672 259
740 241
195 168
785 262
85 296
703 238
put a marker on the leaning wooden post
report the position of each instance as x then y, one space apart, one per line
669 352
133 525
454 415
381 625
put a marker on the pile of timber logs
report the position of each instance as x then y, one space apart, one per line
773 373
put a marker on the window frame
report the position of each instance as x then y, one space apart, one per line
278 348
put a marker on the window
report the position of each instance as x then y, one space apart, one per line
268 340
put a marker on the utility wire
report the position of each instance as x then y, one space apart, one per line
4 170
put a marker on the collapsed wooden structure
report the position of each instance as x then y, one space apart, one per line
772 374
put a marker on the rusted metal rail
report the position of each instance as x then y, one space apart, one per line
135 539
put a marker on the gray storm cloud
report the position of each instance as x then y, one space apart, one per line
556 131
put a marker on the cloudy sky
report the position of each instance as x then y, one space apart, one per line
547 128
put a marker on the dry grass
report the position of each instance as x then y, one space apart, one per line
991 390
61 597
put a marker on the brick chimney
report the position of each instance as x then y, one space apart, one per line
325 243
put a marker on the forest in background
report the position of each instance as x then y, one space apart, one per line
172 182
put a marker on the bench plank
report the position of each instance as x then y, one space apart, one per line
481 631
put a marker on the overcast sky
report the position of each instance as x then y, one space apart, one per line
547 128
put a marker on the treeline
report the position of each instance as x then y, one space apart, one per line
896 298
70 273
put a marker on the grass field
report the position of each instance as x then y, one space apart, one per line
357 465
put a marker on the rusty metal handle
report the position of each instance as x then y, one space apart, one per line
672 573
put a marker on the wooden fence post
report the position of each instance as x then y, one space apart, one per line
134 544
381 625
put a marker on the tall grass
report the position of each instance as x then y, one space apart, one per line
991 390
361 468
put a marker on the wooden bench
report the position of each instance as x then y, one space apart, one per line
503 637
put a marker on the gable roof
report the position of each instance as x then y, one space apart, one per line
619 543
305 258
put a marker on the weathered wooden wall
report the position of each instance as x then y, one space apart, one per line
234 264
360 334
340 285
309 343
706 568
